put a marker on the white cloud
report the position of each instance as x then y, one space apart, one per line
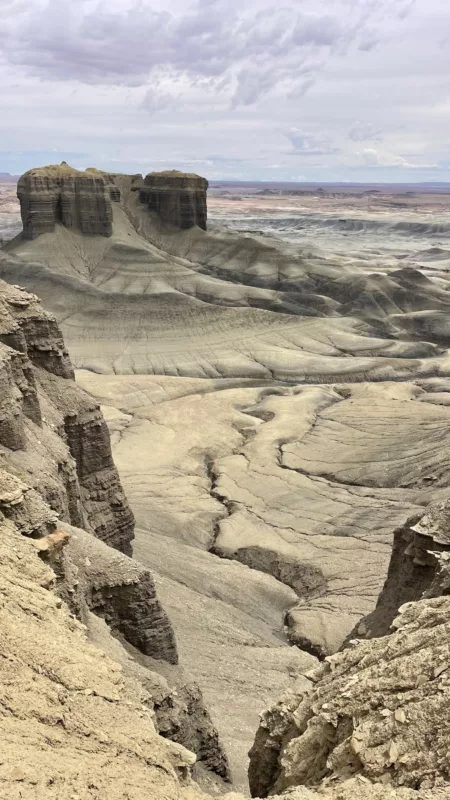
375 158
308 144
329 91
364 132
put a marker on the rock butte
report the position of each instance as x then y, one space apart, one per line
279 428
178 198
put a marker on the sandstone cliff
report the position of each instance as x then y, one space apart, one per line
60 194
61 502
415 568
178 198
80 483
74 724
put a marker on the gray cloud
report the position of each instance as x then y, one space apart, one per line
259 49
365 132
310 145
292 90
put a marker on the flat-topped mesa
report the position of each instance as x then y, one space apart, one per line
179 198
60 194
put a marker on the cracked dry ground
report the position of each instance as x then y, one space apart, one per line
267 515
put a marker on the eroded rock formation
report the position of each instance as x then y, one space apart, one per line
379 708
416 569
56 472
178 198
84 487
62 697
122 592
60 194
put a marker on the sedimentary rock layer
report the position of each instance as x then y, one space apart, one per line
178 198
418 568
36 373
56 472
379 709
78 200
122 592
62 699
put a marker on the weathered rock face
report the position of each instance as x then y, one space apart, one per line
82 485
63 699
56 472
80 482
414 570
379 709
84 429
178 198
122 592
80 201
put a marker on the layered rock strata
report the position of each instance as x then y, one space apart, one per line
379 709
61 699
55 458
178 198
80 201
83 427
122 592
419 550
35 374
56 472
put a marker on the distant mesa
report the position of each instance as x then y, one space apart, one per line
60 194
6 177
82 201
179 198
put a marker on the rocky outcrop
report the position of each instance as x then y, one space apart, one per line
57 472
62 700
80 201
415 569
177 704
178 198
379 709
122 592
359 788
58 467
81 424
80 483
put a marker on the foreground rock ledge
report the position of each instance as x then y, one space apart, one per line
60 496
379 709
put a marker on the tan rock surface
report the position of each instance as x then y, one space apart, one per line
55 469
379 709
62 698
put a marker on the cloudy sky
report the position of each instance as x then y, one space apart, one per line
316 90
